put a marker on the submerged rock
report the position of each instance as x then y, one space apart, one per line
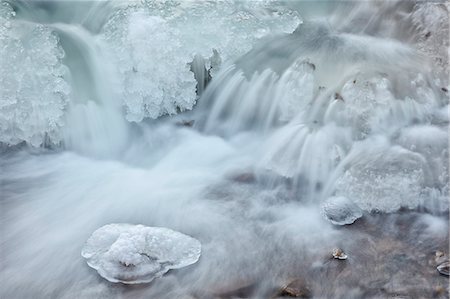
134 254
341 210
185 123
296 288
244 178
241 288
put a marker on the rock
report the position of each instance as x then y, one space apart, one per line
133 254
338 96
245 178
238 288
339 254
185 123
444 268
297 288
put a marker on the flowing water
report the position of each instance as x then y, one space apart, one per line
232 122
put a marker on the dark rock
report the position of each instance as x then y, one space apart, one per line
185 123
338 96
246 178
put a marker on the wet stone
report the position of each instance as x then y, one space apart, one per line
339 254
185 123
236 288
245 178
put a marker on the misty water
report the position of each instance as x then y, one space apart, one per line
272 132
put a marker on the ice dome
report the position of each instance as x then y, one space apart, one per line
134 254
341 210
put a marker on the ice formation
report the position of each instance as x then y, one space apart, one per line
154 43
352 134
431 23
384 178
34 88
340 210
133 254
151 44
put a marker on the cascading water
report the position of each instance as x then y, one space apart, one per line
257 127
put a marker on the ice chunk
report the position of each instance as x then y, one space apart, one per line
153 43
430 22
341 210
154 68
134 254
382 177
34 90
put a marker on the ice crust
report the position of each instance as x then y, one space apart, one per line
133 254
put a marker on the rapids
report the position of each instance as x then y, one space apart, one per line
232 122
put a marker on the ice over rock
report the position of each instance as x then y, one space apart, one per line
341 210
133 254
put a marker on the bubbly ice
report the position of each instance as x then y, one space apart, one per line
34 89
150 44
153 44
134 254
381 177
341 210
430 20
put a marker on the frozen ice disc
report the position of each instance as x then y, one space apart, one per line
134 254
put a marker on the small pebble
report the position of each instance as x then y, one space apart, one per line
337 96
339 254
